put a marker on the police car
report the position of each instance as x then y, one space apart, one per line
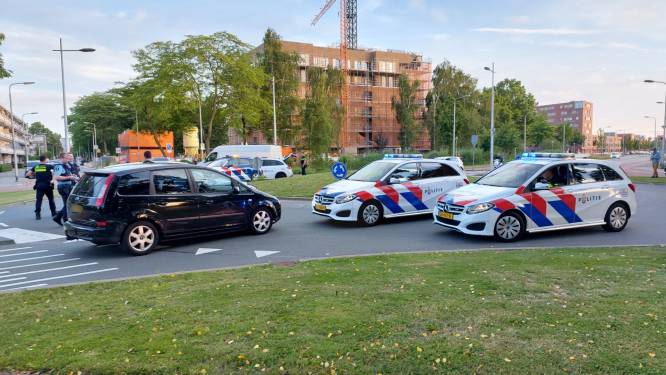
540 192
398 185
234 167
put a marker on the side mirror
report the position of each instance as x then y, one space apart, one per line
394 180
541 186
235 187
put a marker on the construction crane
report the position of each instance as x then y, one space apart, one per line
348 39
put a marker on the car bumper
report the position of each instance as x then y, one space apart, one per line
110 234
481 224
341 212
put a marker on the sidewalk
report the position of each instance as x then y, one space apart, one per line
8 182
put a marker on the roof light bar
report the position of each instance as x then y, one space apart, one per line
548 155
403 156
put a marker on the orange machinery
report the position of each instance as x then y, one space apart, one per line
132 146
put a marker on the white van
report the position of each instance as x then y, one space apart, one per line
251 151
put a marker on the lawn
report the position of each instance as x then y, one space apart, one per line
297 186
19 196
648 180
527 311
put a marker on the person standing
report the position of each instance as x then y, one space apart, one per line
66 180
147 156
304 164
43 174
655 158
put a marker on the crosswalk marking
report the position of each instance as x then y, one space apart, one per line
37 264
16 248
19 254
21 260
21 236
8 280
58 277
4 225
48 270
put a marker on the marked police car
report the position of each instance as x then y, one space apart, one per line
398 185
541 192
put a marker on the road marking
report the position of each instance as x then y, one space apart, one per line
16 248
21 260
76 240
17 254
264 253
18 278
2 212
206 250
4 225
58 277
38 264
49 269
26 236
25 287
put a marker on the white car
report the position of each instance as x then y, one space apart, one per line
615 155
541 192
274 168
398 185
454 159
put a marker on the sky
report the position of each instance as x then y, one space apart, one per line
599 51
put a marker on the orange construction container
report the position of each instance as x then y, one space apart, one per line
133 145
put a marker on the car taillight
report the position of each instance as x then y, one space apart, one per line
466 181
632 187
105 189
101 223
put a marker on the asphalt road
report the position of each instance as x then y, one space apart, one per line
42 257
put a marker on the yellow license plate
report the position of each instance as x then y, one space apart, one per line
320 207
445 215
76 208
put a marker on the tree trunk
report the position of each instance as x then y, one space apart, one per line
155 134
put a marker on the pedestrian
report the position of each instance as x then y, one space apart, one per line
43 173
655 158
66 180
147 156
74 167
304 164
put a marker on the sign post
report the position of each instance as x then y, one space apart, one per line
475 141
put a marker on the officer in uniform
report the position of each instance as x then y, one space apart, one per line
43 174
66 180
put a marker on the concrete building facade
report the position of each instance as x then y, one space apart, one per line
577 113
22 138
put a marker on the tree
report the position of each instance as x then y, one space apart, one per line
52 139
283 67
405 110
539 130
381 141
322 116
4 73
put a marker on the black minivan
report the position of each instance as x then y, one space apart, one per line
140 204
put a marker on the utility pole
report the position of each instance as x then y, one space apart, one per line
274 114
564 135
525 133
434 120
492 113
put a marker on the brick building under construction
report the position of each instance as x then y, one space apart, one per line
373 82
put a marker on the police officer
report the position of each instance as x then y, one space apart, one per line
66 180
43 174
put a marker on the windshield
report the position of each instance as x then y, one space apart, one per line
211 157
510 175
372 172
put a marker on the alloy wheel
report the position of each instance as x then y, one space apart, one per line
508 227
618 217
370 214
141 238
261 221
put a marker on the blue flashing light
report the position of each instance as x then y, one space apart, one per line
403 156
547 155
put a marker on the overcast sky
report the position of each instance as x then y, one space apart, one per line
562 50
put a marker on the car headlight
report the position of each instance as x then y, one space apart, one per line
345 198
481 207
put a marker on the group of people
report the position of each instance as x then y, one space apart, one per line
62 176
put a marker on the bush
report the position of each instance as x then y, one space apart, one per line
356 162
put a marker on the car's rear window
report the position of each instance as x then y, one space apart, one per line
90 186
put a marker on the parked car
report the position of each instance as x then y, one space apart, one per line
139 205
275 168
454 159
615 155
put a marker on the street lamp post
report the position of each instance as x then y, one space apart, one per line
11 118
453 147
434 119
663 83
492 112
655 128
62 75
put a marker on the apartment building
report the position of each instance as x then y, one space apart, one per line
22 138
612 143
577 113
373 82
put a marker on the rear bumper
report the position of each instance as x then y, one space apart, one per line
107 235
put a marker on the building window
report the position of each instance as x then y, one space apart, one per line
304 59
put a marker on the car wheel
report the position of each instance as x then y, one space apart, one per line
617 217
369 214
509 227
280 175
140 238
261 221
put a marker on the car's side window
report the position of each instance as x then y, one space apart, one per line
555 176
432 170
171 181
406 172
587 173
137 183
610 173
212 182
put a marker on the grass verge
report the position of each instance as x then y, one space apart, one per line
297 186
648 180
19 196
532 311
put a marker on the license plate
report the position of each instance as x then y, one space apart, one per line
76 208
445 215
320 207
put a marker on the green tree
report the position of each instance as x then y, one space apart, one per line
4 73
283 67
52 139
539 130
322 116
405 110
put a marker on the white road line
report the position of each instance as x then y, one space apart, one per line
37 264
16 248
26 287
29 252
4 225
2 212
70 241
21 260
58 277
18 278
49 269
4 271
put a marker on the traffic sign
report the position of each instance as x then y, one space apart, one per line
169 147
339 170
475 139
